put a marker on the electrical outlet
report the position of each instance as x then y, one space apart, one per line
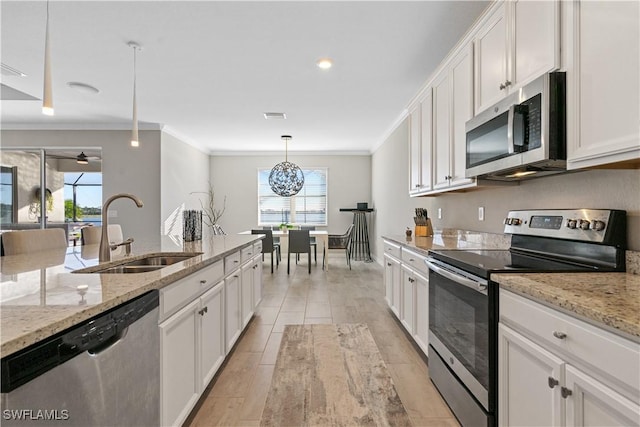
481 213
439 213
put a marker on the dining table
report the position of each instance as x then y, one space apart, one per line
321 235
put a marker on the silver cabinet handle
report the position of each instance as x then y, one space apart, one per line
411 280
412 260
507 83
553 382
202 282
559 335
389 264
565 392
502 86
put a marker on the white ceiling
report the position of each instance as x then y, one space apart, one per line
209 69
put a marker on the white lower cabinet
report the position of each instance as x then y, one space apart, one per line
555 370
406 280
180 386
233 319
200 321
408 292
257 280
392 283
247 293
212 350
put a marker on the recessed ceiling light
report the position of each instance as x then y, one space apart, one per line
324 63
83 87
270 116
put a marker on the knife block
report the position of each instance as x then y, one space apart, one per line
424 230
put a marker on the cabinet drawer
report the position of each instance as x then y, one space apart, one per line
257 248
232 262
247 253
182 292
584 344
415 261
391 248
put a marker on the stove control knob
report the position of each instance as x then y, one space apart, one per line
572 223
516 221
584 224
597 225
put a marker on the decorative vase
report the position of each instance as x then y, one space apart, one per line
217 230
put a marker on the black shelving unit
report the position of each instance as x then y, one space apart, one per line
360 250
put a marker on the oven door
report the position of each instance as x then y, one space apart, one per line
460 323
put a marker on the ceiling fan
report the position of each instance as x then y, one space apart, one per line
80 158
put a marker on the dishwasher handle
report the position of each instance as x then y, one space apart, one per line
478 285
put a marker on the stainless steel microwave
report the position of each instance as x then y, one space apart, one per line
523 136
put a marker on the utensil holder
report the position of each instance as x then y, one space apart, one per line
424 230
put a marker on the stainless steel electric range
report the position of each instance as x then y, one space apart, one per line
463 299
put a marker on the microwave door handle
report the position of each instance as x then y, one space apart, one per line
510 119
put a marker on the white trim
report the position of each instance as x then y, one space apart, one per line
80 126
396 123
182 138
291 153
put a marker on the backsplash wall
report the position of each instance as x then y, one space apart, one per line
612 189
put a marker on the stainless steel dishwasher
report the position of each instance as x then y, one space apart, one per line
102 372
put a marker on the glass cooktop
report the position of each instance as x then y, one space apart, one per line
483 262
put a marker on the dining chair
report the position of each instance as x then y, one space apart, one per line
28 241
276 242
341 241
314 242
267 245
91 234
299 243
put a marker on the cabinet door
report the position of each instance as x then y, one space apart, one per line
388 280
407 309
535 40
414 149
441 130
233 323
211 315
421 333
246 293
179 363
603 89
591 403
491 60
426 141
257 280
461 111
526 373
392 283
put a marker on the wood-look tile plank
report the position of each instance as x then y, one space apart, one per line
288 318
218 411
318 320
434 422
318 309
255 338
266 315
270 353
254 402
418 394
236 376
294 303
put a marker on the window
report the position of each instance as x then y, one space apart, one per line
8 194
309 206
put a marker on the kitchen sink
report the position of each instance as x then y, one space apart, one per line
159 260
141 265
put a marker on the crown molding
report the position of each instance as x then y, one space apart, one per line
80 126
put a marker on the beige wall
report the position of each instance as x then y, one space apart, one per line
611 189
184 169
236 177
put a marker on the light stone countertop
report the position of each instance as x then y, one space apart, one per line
39 295
609 300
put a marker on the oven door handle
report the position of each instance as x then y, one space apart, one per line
465 281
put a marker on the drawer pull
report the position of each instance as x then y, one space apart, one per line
559 335
389 264
411 280
412 260
565 392
202 282
553 382
235 261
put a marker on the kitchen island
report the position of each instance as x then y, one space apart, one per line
40 296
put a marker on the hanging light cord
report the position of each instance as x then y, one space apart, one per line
286 149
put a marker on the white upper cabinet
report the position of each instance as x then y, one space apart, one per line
461 110
602 59
441 130
519 42
420 135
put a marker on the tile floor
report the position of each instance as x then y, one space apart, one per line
237 395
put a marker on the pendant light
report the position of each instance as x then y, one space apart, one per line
82 159
47 97
286 179
134 130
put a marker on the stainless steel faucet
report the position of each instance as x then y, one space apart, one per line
105 247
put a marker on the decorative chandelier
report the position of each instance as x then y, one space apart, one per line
286 178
